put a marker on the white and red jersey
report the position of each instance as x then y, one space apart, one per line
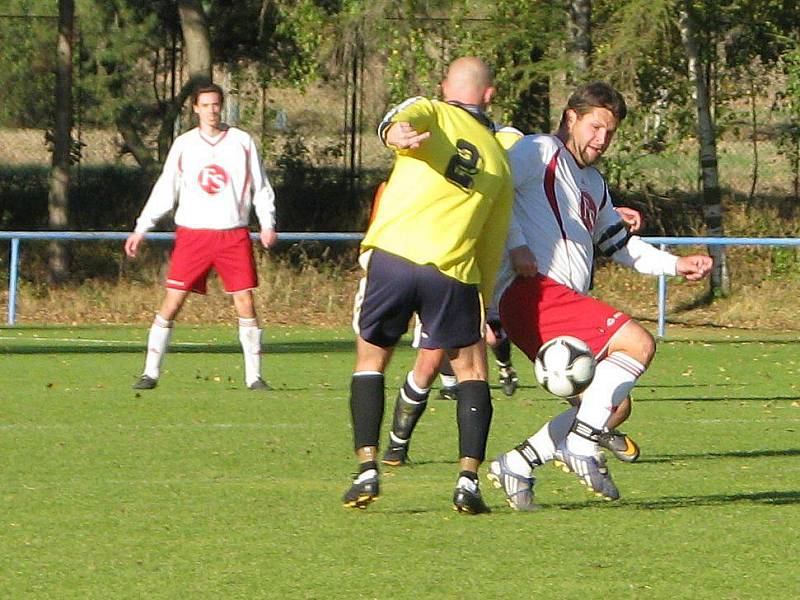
215 181
561 212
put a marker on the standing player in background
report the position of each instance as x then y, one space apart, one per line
215 173
432 248
562 210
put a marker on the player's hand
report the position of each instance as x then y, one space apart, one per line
403 136
694 267
268 237
523 261
631 217
132 244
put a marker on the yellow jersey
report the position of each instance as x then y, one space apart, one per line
448 202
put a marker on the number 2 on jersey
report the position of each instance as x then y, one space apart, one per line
463 164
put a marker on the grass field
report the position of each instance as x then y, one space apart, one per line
201 488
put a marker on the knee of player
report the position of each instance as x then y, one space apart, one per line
647 346
637 342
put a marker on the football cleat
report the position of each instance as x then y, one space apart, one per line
469 502
517 488
362 493
447 393
591 471
259 385
620 445
145 383
508 380
396 455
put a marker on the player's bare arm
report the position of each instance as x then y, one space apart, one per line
631 217
268 237
523 261
132 244
403 136
694 267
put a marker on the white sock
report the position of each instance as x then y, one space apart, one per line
157 343
613 380
448 380
250 338
368 474
413 385
465 483
545 441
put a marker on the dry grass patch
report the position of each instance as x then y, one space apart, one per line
299 289
311 292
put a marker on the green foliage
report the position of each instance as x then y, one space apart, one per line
280 38
785 263
518 38
27 85
639 49
789 99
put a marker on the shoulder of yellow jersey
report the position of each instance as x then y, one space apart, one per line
507 135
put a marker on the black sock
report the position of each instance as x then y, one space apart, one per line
366 466
502 353
366 408
469 475
474 414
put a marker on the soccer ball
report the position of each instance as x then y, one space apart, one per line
564 366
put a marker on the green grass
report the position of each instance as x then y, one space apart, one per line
203 489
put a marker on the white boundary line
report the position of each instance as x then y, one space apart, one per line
94 341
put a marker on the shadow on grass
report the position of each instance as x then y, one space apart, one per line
773 497
179 348
749 398
667 458
778 341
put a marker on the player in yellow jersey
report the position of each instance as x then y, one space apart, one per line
433 248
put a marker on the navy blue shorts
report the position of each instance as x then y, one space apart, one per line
395 288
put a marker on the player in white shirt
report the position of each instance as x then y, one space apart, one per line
215 174
562 210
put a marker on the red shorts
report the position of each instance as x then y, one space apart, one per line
534 310
196 251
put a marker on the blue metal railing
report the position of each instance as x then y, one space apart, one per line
662 242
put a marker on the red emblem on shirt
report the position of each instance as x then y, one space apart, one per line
588 210
212 179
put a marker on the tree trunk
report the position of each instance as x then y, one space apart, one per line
58 198
196 40
197 51
580 36
753 137
706 136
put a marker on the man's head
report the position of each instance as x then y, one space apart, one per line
590 119
207 104
469 81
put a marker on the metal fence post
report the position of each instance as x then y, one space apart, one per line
662 301
13 270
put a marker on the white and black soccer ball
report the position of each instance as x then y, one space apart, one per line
564 366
